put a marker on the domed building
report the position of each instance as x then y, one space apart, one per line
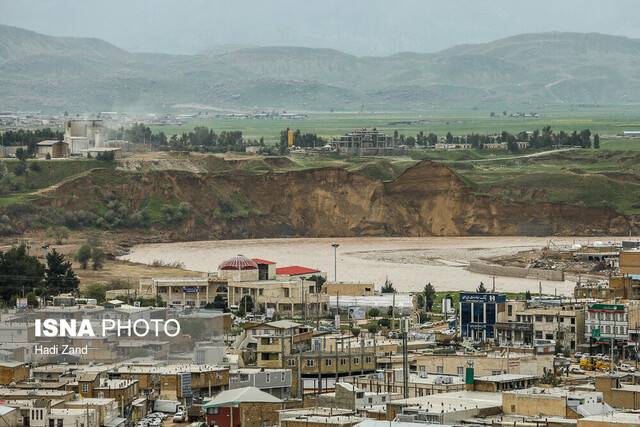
238 269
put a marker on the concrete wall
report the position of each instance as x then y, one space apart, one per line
534 405
530 273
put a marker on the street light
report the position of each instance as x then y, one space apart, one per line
335 261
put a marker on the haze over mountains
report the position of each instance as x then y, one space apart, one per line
39 72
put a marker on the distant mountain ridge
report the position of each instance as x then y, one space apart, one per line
529 70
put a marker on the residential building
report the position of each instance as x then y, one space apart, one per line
630 262
420 384
493 363
276 382
547 402
445 408
12 372
242 407
606 324
348 289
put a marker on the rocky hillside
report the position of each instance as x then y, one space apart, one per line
531 70
427 199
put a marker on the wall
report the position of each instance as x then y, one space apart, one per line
533 405
499 270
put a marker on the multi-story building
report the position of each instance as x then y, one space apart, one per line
524 323
479 313
276 382
82 134
606 325
484 364
364 142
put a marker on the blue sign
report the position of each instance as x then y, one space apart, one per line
191 289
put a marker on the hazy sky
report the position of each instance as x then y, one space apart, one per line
363 27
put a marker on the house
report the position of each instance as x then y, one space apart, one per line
276 382
52 149
9 416
422 384
242 407
484 364
549 402
348 288
446 408
82 134
12 372
102 153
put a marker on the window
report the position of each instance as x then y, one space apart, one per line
509 310
311 289
213 411
52 422
356 360
367 359
291 362
85 387
283 376
60 422
328 362
286 292
538 318
460 370
440 369
343 361
573 320
260 291
422 368
268 377
309 363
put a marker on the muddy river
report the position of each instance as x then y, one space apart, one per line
407 262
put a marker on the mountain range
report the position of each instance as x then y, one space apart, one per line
530 71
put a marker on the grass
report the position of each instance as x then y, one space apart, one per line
605 120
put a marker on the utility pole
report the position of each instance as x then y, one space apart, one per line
335 261
405 358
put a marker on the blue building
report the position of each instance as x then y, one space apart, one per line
479 314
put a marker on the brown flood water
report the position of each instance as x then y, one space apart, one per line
408 262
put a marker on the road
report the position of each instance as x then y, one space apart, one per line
524 156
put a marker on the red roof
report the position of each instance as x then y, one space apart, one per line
296 270
239 262
262 261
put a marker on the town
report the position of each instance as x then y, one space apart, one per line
262 344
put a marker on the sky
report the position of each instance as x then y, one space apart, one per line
360 27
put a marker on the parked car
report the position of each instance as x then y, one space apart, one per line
179 417
623 367
576 370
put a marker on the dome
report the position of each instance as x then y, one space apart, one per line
239 262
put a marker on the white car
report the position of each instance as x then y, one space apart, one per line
179 417
577 371
623 367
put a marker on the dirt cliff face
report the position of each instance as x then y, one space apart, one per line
427 199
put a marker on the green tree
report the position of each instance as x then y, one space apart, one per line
429 295
481 288
246 305
19 272
97 258
388 288
83 255
97 292
596 141
355 331
58 234
22 154
373 312
319 281
59 276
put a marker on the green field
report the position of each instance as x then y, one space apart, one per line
602 120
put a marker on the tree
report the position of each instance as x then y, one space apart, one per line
97 258
83 255
59 276
96 291
388 288
19 272
22 154
319 281
373 312
429 295
58 234
246 305
527 295
596 141
355 331
481 288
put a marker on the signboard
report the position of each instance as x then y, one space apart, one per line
21 303
607 307
191 289
337 321
482 297
270 312
185 384
595 332
357 313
